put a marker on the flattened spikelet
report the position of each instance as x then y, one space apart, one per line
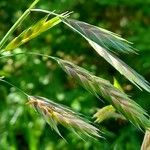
98 86
41 26
104 42
122 67
55 113
104 38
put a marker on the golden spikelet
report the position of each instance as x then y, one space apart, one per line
55 113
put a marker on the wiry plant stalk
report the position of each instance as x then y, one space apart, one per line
55 113
98 86
64 15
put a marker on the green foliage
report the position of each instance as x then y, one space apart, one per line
21 127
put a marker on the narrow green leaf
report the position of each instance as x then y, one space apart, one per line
17 23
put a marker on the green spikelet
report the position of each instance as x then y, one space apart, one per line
105 43
33 31
100 87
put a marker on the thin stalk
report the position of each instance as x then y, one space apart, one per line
12 29
1 79
30 53
66 14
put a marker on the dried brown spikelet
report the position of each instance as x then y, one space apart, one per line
55 113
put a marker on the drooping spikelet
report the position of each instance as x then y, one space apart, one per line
101 87
103 37
55 113
104 43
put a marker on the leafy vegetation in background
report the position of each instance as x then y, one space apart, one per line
40 76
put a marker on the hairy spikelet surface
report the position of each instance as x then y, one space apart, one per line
103 41
55 113
101 87
104 38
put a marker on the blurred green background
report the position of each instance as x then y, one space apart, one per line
20 126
